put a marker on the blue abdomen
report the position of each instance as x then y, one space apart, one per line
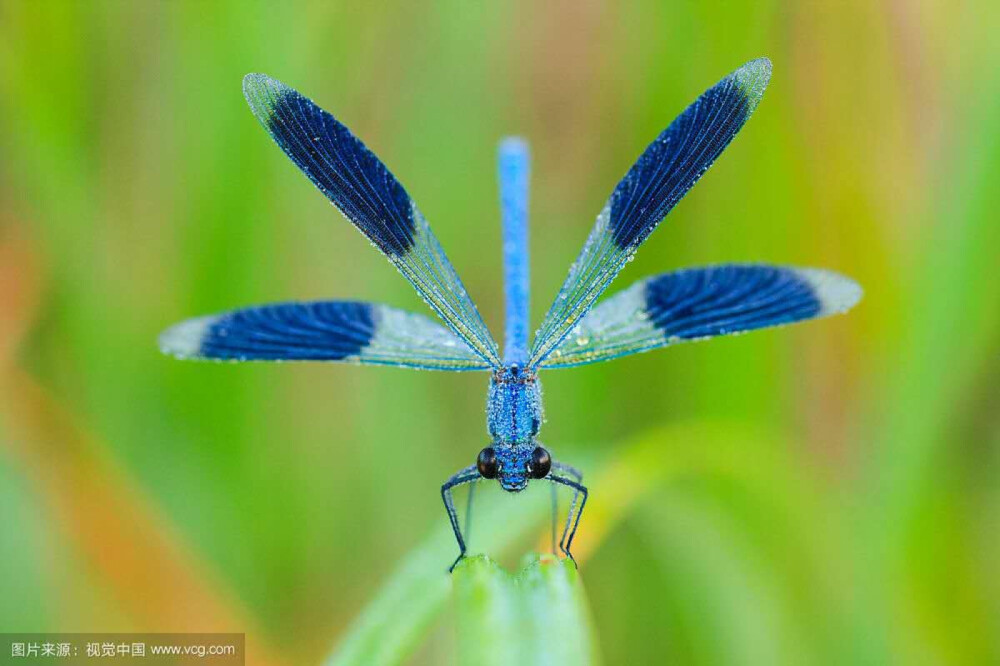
514 409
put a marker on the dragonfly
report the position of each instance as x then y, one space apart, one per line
658 311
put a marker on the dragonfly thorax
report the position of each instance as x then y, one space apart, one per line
513 417
514 406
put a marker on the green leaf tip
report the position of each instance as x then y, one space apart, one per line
538 615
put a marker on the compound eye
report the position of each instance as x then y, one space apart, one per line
487 463
541 463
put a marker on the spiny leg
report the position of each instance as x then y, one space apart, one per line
568 469
555 517
578 475
462 476
468 512
569 520
579 488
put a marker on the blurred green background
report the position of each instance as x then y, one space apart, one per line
856 513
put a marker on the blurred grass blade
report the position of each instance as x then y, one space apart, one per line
538 616
92 504
132 547
392 624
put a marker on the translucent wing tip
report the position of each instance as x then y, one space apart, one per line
254 82
836 293
262 93
752 78
184 340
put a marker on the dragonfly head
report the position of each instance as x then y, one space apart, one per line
513 466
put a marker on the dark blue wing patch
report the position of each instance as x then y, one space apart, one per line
674 162
700 303
348 331
336 161
321 331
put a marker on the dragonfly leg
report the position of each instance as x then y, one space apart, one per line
578 476
468 512
555 517
580 490
568 469
466 475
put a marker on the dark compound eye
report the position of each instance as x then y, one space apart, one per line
541 463
487 463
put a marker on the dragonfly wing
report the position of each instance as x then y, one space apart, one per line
348 331
364 190
664 173
699 303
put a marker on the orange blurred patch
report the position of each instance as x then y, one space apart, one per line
94 505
